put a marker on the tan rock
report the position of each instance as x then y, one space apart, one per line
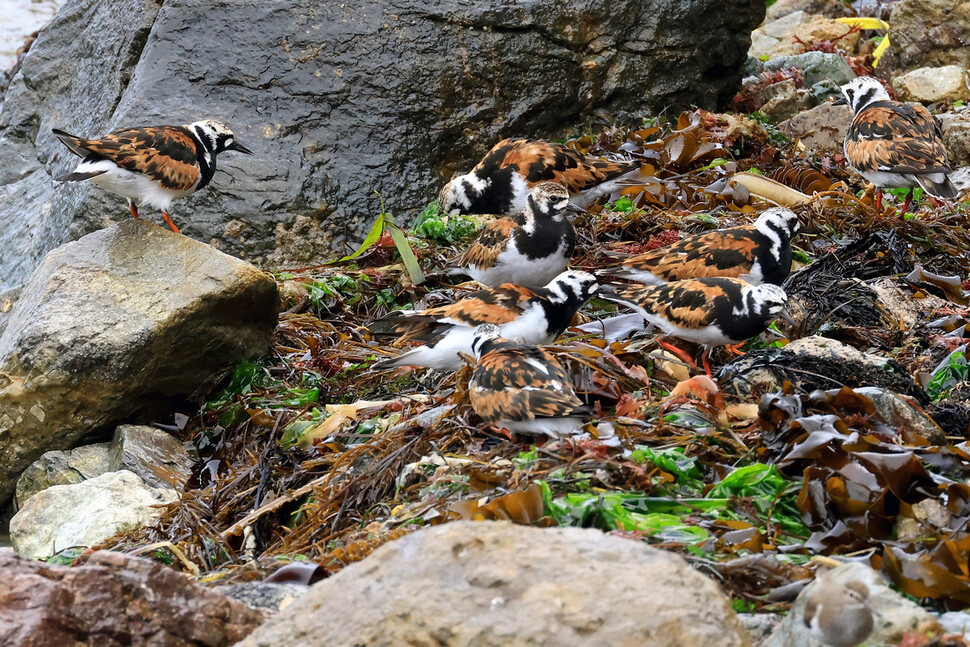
821 129
932 84
478 584
829 8
956 136
928 33
781 37
113 327
62 468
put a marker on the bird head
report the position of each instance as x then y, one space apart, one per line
862 91
216 137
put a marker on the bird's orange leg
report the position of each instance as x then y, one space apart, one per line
734 349
706 363
878 200
909 199
170 223
682 354
132 208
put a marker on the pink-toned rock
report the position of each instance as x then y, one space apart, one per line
112 600
781 37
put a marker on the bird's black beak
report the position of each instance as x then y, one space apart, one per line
236 146
840 102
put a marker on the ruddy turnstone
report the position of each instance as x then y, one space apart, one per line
710 311
153 165
894 144
536 316
759 253
529 248
839 615
521 388
501 182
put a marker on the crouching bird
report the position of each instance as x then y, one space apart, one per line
152 165
522 388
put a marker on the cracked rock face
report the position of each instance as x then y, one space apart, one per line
337 100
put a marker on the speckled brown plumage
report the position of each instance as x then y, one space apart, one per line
514 382
167 154
897 137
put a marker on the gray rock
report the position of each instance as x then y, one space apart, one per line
85 514
903 415
814 363
116 326
338 100
783 100
759 625
479 584
821 129
825 90
894 615
781 37
956 136
932 84
928 33
62 468
267 597
815 67
7 299
157 457
830 8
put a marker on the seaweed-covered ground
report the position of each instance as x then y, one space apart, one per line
310 454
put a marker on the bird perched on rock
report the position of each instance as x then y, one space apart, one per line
894 144
759 253
708 311
521 388
535 316
529 248
153 165
501 182
839 615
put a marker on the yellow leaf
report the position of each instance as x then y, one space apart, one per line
876 55
864 23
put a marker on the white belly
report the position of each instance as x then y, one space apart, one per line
138 188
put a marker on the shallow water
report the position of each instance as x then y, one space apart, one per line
20 19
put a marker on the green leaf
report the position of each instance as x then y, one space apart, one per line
407 254
372 237
956 370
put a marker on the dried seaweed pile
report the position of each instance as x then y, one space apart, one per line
310 454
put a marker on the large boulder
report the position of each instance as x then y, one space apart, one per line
928 33
478 584
112 600
86 513
114 328
337 100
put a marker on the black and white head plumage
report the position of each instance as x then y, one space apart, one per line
529 248
863 91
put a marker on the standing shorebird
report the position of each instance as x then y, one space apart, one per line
894 144
153 165
839 615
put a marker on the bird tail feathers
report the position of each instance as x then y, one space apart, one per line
944 190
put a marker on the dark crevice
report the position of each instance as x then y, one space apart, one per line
135 49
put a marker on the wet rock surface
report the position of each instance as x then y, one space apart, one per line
502 584
100 336
86 513
62 468
156 456
337 101
113 599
